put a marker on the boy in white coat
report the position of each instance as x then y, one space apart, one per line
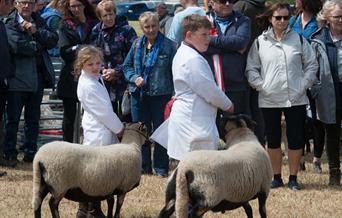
100 123
192 121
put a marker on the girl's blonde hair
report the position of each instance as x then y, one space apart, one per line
328 6
83 55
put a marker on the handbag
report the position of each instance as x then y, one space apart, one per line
126 103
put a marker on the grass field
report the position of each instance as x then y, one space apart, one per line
315 200
136 26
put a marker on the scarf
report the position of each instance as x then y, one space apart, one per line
103 40
222 23
144 69
217 65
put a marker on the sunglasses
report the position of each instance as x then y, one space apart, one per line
278 18
225 1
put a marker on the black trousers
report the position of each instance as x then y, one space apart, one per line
3 97
332 137
295 126
69 116
16 100
257 116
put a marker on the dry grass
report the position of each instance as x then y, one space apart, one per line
315 200
136 26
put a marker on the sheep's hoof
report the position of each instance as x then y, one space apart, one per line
81 214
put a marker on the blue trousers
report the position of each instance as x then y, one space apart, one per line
150 110
16 100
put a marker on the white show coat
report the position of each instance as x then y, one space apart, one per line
192 120
100 124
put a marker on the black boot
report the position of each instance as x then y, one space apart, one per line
335 177
94 210
82 210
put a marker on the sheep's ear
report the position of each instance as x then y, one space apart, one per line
142 127
227 123
230 125
247 121
243 123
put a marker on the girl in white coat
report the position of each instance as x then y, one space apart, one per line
100 124
192 121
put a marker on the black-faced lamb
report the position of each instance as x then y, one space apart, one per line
221 180
88 173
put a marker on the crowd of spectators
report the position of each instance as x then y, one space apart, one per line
246 56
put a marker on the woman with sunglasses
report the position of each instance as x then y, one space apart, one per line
78 20
327 43
305 24
281 66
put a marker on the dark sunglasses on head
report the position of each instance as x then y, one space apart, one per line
281 17
225 1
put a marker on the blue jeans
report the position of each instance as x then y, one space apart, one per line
151 112
16 100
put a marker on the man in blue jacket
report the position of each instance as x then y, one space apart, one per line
29 38
233 32
7 68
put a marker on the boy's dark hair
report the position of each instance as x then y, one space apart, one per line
194 22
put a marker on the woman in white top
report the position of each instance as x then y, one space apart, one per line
100 124
281 65
192 120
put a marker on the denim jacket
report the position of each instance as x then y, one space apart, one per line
160 79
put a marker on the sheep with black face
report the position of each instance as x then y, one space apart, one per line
221 180
88 173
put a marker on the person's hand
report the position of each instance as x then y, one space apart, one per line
242 50
230 109
29 26
108 74
139 82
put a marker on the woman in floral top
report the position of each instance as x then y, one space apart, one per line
115 37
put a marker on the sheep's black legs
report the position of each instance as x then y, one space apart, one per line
110 204
168 209
119 201
53 203
262 204
248 209
42 194
195 211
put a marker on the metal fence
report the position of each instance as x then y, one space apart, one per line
50 127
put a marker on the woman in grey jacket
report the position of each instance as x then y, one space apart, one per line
327 43
281 66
